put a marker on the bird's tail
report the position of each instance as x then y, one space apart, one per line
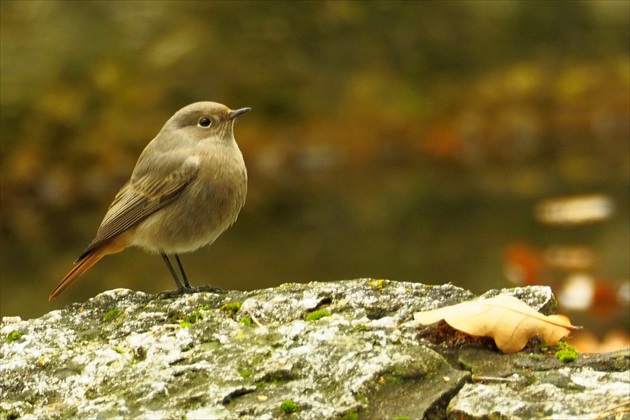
84 263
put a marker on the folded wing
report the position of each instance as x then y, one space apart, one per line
138 199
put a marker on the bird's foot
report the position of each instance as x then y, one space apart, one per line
187 290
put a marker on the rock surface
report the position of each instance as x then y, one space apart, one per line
338 350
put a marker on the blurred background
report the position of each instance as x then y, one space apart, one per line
482 143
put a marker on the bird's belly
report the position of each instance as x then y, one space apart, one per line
194 219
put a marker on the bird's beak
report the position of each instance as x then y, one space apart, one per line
235 113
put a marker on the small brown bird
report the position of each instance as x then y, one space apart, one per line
188 186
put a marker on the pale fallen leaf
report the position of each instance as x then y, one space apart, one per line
510 321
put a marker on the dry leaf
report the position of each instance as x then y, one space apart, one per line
505 318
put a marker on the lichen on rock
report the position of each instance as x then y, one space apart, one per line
245 354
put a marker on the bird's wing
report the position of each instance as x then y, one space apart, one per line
139 198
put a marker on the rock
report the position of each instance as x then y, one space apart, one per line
254 355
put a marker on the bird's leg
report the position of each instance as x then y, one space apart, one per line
180 286
184 287
181 268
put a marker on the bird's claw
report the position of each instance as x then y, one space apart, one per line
188 290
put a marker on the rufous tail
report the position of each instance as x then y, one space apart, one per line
85 262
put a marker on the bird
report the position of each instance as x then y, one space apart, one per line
187 187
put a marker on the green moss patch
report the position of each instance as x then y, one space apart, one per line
111 315
13 336
316 315
566 353
289 406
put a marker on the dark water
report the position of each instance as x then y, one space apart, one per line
425 224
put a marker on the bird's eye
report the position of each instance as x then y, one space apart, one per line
204 122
